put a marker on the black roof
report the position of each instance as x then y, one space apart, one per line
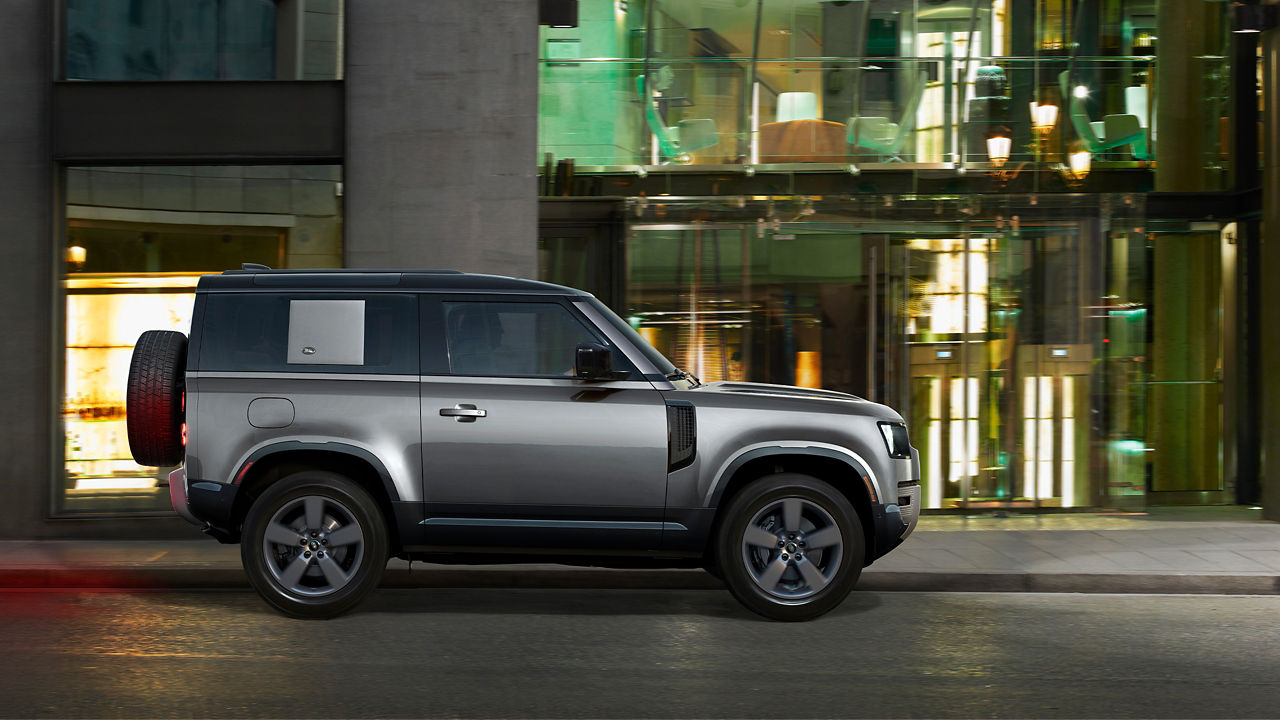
256 278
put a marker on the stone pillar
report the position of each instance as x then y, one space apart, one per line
1185 431
27 254
441 152
1188 31
1269 291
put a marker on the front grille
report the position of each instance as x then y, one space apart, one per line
682 435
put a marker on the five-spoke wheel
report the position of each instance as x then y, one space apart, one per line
314 544
790 547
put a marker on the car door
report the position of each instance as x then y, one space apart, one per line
519 453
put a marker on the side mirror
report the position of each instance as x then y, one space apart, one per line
593 361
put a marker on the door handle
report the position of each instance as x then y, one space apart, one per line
464 412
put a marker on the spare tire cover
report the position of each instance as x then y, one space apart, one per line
154 402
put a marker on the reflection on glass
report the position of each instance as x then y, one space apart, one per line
138 239
1014 342
142 40
101 330
805 81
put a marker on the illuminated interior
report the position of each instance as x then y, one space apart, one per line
105 315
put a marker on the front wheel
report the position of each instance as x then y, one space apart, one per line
790 546
314 545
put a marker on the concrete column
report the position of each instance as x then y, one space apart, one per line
26 267
1269 291
441 153
1183 422
1188 31
1187 273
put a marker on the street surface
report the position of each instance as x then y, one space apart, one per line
633 653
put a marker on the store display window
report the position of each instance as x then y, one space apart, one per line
137 240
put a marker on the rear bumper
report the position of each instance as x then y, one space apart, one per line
204 503
178 496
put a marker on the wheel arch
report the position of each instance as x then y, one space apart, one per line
843 471
270 464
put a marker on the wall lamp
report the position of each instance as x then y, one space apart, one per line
1076 169
1043 118
998 149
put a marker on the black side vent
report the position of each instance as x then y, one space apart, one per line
682 434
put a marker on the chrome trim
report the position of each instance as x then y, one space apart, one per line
868 475
301 375
554 524
566 382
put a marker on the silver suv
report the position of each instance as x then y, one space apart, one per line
327 420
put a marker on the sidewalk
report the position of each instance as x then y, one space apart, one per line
1172 550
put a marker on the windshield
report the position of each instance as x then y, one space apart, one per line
658 359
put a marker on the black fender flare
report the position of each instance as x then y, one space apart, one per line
330 447
856 465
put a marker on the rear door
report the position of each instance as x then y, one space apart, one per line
519 453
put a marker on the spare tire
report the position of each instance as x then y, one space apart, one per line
154 402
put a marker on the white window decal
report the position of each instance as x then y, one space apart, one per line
326 332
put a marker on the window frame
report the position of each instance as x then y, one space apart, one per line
435 340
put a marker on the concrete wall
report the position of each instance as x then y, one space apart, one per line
441 142
25 264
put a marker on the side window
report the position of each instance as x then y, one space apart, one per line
512 339
310 333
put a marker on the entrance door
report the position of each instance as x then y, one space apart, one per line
518 453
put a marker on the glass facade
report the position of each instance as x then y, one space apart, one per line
1012 336
137 241
940 205
804 82
141 40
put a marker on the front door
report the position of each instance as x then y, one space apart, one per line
517 452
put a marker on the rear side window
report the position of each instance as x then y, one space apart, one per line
373 333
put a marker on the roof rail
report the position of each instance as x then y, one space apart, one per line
259 268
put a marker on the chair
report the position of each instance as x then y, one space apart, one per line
886 138
1114 131
677 143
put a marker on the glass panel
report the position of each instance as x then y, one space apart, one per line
869 83
512 339
204 40
138 239
1014 340
753 303
250 333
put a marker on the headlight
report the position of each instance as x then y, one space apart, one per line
895 438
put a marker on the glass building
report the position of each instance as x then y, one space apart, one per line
1032 226
988 214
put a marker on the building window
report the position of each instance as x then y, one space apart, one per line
148 40
137 241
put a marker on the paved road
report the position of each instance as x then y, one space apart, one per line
629 653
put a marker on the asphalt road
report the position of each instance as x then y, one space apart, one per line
630 653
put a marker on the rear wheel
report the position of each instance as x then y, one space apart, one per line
790 547
314 545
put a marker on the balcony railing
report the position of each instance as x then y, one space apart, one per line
928 111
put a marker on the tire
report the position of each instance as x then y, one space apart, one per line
821 553
345 551
154 398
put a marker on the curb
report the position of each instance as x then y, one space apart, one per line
198 578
